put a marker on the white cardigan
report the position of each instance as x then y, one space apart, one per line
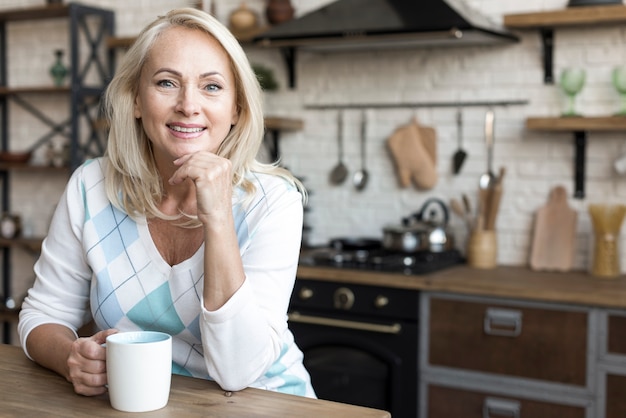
97 262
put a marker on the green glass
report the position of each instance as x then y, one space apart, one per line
572 82
618 78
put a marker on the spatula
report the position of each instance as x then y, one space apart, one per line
460 155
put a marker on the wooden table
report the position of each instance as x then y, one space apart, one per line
27 389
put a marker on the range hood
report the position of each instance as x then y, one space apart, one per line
367 24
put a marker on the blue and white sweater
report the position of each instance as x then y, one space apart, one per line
97 262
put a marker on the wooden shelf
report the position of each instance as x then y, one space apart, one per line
32 244
573 16
577 123
546 21
30 167
9 91
34 12
283 124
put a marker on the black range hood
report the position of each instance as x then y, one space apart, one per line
367 24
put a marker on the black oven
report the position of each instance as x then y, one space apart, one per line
360 343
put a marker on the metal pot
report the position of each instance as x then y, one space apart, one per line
421 231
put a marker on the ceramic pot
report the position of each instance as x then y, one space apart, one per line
279 11
243 19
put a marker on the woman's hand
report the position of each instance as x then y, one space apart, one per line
213 177
87 364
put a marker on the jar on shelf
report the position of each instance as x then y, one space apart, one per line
10 225
58 70
279 11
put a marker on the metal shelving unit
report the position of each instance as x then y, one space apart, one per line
90 59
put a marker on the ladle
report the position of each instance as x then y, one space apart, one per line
360 177
487 179
340 172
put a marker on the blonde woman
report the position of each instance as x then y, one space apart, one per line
178 228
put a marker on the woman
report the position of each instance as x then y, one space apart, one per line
178 228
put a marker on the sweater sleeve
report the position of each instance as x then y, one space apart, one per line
246 336
60 293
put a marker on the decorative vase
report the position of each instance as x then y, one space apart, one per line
58 71
243 19
279 11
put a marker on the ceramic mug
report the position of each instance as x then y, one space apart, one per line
139 370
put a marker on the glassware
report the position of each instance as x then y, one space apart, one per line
607 223
571 82
618 78
58 71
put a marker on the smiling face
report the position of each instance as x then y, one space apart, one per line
186 95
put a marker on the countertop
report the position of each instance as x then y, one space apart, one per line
574 287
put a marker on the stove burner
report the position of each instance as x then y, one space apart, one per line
379 259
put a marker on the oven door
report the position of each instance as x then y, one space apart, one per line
367 363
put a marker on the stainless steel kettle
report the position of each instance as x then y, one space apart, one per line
425 230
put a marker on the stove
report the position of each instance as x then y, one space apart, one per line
373 257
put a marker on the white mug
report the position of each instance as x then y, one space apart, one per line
139 370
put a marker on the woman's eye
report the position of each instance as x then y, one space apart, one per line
213 87
165 83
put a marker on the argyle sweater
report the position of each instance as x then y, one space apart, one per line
97 262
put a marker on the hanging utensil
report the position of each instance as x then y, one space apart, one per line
339 174
460 155
487 179
360 177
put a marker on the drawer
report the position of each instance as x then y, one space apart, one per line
616 343
529 342
615 406
445 402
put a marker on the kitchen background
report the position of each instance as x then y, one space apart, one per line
535 161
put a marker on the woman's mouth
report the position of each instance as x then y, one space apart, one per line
186 130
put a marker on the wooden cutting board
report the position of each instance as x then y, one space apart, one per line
554 235
414 151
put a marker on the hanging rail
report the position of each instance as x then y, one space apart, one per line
487 103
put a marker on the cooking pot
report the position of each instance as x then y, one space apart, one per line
422 231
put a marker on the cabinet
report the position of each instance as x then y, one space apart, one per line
486 357
91 67
612 365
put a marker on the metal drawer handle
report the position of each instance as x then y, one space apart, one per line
494 407
394 328
503 322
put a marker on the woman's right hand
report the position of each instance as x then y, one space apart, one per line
87 364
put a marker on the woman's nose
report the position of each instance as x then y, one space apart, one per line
188 103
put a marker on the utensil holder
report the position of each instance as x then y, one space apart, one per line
482 249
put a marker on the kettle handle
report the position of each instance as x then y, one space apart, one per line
433 200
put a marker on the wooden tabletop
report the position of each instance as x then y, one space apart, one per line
574 287
28 390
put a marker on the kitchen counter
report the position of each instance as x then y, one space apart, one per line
575 287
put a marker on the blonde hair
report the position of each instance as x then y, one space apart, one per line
132 180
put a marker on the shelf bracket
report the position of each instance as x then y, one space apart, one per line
273 144
580 143
547 40
289 56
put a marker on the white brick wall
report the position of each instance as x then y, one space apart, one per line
535 161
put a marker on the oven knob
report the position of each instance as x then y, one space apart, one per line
305 293
381 301
344 298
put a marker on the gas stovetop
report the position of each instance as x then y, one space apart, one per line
380 259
